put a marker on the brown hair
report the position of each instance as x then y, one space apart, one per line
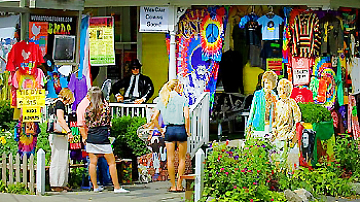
96 102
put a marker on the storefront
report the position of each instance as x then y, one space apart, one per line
224 48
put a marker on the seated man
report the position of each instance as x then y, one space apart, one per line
138 87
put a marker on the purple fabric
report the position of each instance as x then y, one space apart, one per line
79 88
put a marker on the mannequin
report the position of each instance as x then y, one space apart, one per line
262 112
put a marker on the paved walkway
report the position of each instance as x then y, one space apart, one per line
152 192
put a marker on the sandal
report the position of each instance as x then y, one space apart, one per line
172 190
180 190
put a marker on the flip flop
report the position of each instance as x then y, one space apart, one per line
171 190
180 190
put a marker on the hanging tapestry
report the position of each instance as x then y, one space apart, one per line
199 43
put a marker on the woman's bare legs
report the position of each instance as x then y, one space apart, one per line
112 168
181 170
170 162
92 169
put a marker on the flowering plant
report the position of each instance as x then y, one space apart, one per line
240 174
7 143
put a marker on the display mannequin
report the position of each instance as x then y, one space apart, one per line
287 114
262 112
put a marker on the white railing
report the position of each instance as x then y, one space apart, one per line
199 119
142 110
199 123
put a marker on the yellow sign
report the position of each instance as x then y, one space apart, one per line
31 114
30 98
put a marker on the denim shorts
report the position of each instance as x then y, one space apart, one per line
175 133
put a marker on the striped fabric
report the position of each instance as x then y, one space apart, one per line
306 35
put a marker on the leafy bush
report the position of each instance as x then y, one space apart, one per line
347 154
127 143
313 113
325 179
43 143
17 188
7 144
6 115
234 174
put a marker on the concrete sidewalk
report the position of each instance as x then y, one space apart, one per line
152 192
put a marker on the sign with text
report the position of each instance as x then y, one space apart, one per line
154 19
31 114
101 39
44 28
30 98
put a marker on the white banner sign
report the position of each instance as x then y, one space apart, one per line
154 19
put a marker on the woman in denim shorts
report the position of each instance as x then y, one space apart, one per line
175 112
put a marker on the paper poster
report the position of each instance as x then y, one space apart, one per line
101 39
38 33
301 77
30 98
31 115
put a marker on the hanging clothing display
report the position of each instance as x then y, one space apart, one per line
200 50
79 88
306 37
270 26
25 56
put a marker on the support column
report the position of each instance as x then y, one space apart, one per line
172 60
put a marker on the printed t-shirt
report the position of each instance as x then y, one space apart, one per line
270 27
26 56
79 88
302 95
173 113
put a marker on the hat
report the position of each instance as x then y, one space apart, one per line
135 63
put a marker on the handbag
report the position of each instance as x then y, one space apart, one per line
53 126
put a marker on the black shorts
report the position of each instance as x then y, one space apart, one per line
175 133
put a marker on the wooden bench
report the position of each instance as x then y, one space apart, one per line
189 187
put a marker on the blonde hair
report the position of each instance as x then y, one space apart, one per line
166 89
287 85
67 96
271 76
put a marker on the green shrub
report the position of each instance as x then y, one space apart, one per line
347 154
313 113
17 188
127 143
234 174
6 115
43 143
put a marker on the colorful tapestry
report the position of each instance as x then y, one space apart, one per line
199 43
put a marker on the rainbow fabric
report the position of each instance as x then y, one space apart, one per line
199 50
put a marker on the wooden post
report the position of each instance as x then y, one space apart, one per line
3 166
32 176
199 172
11 169
40 173
25 170
17 168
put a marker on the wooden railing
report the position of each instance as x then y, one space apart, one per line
199 123
11 171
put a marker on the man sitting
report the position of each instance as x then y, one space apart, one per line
138 87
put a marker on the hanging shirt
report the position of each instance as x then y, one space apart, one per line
270 27
355 76
302 95
26 56
79 89
252 29
306 37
